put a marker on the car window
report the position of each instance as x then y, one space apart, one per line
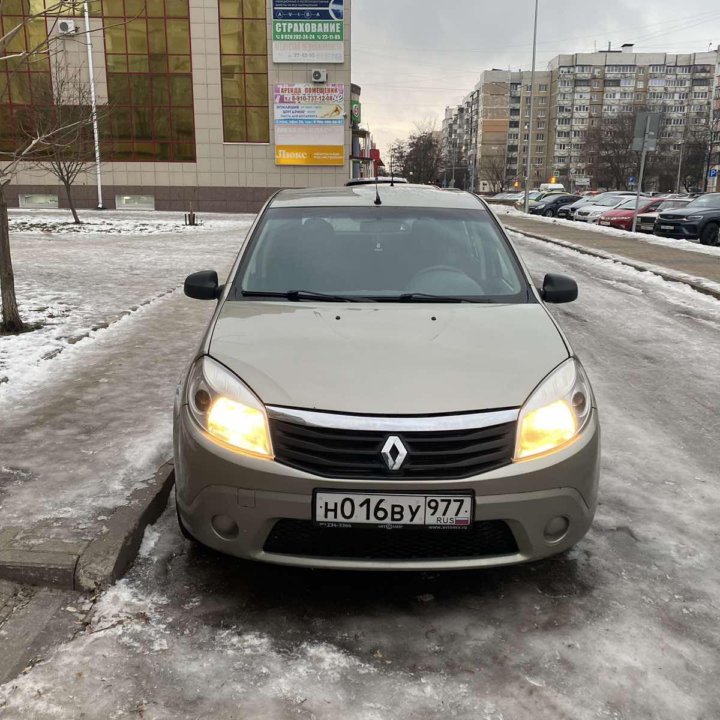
712 200
381 253
667 204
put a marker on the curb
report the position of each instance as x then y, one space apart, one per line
707 287
102 561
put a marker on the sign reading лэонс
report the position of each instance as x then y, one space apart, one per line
309 124
308 31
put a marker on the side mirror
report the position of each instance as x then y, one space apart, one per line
203 285
559 289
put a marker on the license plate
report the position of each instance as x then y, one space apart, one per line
667 227
604 222
340 509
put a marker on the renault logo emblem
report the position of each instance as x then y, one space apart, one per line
394 452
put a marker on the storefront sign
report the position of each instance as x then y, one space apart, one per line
309 124
308 31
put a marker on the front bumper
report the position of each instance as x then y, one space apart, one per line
678 230
255 494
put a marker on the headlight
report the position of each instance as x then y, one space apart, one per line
539 206
227 410
693 218
555 413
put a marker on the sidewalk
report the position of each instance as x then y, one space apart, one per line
684 263
85 427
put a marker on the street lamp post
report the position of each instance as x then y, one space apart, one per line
677 183
93 104
532 103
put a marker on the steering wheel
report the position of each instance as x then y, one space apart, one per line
438 268
467 285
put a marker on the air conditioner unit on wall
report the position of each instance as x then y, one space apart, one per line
67 27
319 75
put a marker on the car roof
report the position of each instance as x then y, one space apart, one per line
403 195
379 179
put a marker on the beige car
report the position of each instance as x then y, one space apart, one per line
382 387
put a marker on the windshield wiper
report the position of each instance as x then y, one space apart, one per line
297 295
429 297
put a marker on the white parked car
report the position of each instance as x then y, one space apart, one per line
646 221
592 211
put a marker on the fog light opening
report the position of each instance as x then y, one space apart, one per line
225 527
556 529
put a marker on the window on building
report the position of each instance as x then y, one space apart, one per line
149 78
655 82
243 64
699 95
582 108
539 136
23 83
543 87
657 68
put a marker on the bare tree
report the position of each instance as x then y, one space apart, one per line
62 116
17 50
493 171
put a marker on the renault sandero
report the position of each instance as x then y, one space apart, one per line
381 386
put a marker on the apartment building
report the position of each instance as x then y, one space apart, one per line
572 96
209 103
588 87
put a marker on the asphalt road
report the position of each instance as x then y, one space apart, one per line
624 626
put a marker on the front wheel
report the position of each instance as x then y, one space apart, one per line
710 234
548 213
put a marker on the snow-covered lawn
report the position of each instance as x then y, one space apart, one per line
77 280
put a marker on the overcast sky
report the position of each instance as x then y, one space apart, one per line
412 58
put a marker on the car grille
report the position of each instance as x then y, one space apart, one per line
335 453
669 218
304 538
583 213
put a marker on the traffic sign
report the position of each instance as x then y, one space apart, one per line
632 180
713 172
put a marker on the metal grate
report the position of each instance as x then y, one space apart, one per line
304 538
446 454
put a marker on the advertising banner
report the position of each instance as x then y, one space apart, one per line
309 124
356 111
308 31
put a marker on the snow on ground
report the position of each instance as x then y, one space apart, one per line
87 408
624 627
687 245
77 281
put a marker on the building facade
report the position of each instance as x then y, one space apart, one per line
212 104
572 97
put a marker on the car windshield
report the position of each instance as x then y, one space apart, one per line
667 204
610 201
388 253
712 200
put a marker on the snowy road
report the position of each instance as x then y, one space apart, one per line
626 626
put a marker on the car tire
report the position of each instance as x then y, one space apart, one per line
710 234
548 213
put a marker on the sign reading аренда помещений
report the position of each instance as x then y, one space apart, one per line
309 124
308 31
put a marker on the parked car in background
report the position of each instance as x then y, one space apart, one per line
552 186
646 220
535 197
566 212
602 203
698 220
621 217
550 204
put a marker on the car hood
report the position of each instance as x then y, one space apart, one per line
388 359
618 213
683 212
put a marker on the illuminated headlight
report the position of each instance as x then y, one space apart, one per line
693 218
555 413
228 410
